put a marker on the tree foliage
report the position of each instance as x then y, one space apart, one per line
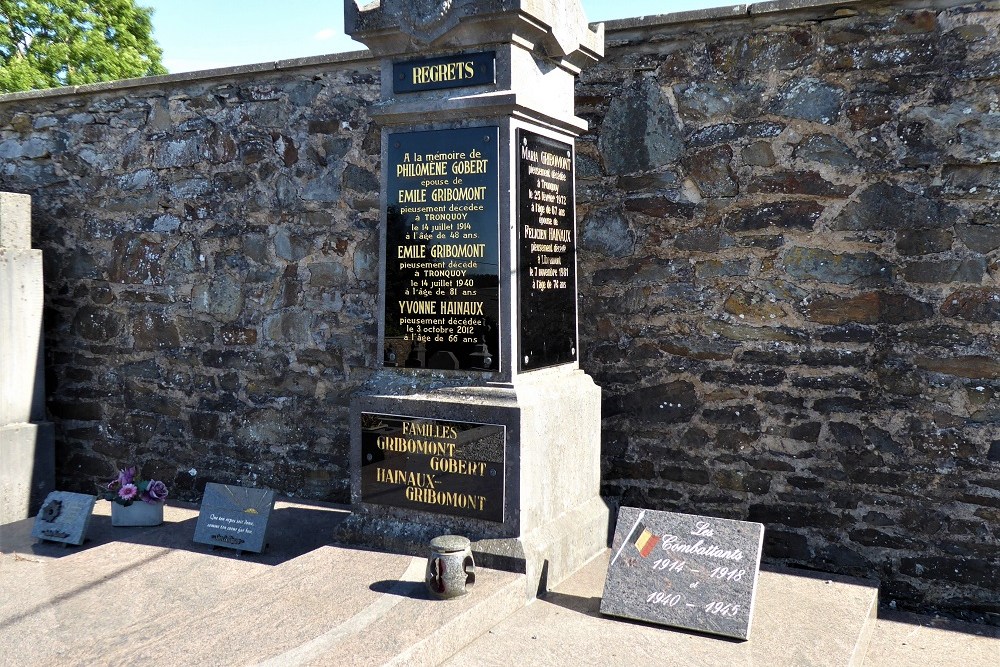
50 43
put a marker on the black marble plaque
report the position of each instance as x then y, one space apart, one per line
433 465
546 232
234 516
685 571
64 517
455 71
442 276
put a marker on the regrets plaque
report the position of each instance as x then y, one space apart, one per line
546 226
446 467
442 277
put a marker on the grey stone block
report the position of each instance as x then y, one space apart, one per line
15 221
22 388
28 471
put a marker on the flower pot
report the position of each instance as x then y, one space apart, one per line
139 513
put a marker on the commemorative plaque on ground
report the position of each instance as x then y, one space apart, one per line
682 570
234 516
64 517
446 467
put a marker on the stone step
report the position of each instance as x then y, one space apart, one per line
798 620
131 594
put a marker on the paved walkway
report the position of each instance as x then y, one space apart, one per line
132 595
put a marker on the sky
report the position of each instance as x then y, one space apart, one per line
205 34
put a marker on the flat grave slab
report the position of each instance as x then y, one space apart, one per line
64 517
235 517
685 571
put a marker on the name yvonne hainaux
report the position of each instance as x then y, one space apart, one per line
699 548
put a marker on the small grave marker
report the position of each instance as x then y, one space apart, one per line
235 517
64 517
685 571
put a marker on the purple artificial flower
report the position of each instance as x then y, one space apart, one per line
156 490
126 476
128 491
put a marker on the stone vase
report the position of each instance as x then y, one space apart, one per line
451 570
137 514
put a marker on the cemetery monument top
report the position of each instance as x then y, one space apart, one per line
559 27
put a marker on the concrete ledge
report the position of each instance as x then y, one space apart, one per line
22 379
303 602
137 594
909 639
27 472
350 58
772 10
798 620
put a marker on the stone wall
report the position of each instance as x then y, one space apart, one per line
790 239
789 258
211 272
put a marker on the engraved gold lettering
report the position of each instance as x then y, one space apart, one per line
442 72
461 308
458 466
459 194
418 307
411 251
449 498
430 430
417 196
461 251
417 169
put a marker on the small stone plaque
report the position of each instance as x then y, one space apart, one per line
234 516
433 465
64 517
685 571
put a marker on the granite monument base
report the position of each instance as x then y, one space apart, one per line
28 471
550 520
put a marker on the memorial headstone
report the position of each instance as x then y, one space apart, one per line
235 517
478 298
64 517
685 571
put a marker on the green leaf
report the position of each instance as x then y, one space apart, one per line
51 43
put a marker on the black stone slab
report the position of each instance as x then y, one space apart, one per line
446 467
685 571
64 517
546 232
442 275
234 516
455 71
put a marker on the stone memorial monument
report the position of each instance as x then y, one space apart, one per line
26 438
479 422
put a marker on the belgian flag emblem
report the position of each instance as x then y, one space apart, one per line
646 541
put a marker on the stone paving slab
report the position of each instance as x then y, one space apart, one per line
131 595
911 639
135 594
798 621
